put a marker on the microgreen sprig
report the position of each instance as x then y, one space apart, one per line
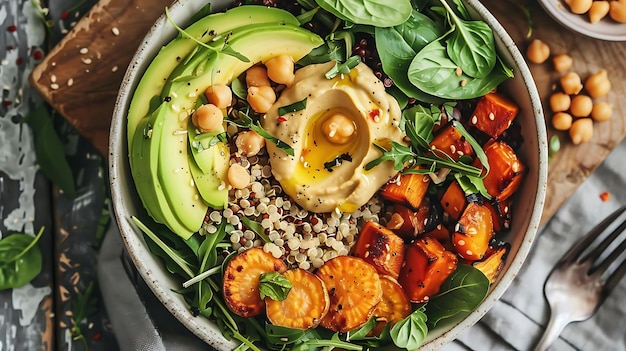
245 121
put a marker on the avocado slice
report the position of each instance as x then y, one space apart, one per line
173 169
203 30
211 185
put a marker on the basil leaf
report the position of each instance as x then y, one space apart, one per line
463 291
20 259
50 150
296 106
409 333
433 72
471 45
379 13
397 47
274 285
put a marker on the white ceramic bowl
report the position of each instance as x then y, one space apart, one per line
527 210
606 29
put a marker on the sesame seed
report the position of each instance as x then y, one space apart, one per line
492 116
461 242
474 119
70 82
84 51
54 86
53 78
114 69
86 61
115 31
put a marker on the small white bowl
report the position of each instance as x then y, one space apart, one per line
526 212
606 29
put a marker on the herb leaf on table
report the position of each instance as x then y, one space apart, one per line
20 259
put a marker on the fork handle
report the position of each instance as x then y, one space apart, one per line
557 322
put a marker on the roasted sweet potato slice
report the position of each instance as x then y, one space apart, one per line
493 114
501 214
408 189
453 200
450 141
506 170
417 221
381 248
473 232
241 280
354 289
427 264
393 306
492 264
306 304
441 234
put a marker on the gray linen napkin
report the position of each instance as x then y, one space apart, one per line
515 322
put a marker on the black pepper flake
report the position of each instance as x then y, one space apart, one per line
168 99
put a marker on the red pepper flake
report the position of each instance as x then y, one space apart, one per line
6 103
19 61
37 54
605 196
10 47
64 15
375 115
96 336
12 28
281 119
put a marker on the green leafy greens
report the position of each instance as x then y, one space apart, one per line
20 259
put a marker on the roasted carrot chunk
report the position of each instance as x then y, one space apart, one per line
451 142
241 280
493 114
381 248
393 306
408 188
500 213
354 289
441 234
306 304
416 221
506 170
427 264
492 264
453 200
473 232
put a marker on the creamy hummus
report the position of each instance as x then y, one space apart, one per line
327 170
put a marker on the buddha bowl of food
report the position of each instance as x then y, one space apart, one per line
315 174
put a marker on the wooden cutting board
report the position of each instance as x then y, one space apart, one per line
80 77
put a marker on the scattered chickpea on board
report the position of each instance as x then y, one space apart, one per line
575 106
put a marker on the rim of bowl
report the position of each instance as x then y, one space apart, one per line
604 30
118 166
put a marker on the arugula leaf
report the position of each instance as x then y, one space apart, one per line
255 227
409 333
343 68
295 107
274 285
463 291
472 185
20 259
398 153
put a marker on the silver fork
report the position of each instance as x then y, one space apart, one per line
580 282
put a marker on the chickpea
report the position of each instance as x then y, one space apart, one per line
581 131
571 83
208 118
280 69
562 121
538 51
617 10
256 76
602 111
261 98
598 84
598 10
560 102
338 129
579 6
238 177
219 95
562 62
249 143
581 106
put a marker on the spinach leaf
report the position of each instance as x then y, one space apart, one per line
274 285
410 332
20 259
397 46
470 45
50 150
464 289
379 13
433 72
